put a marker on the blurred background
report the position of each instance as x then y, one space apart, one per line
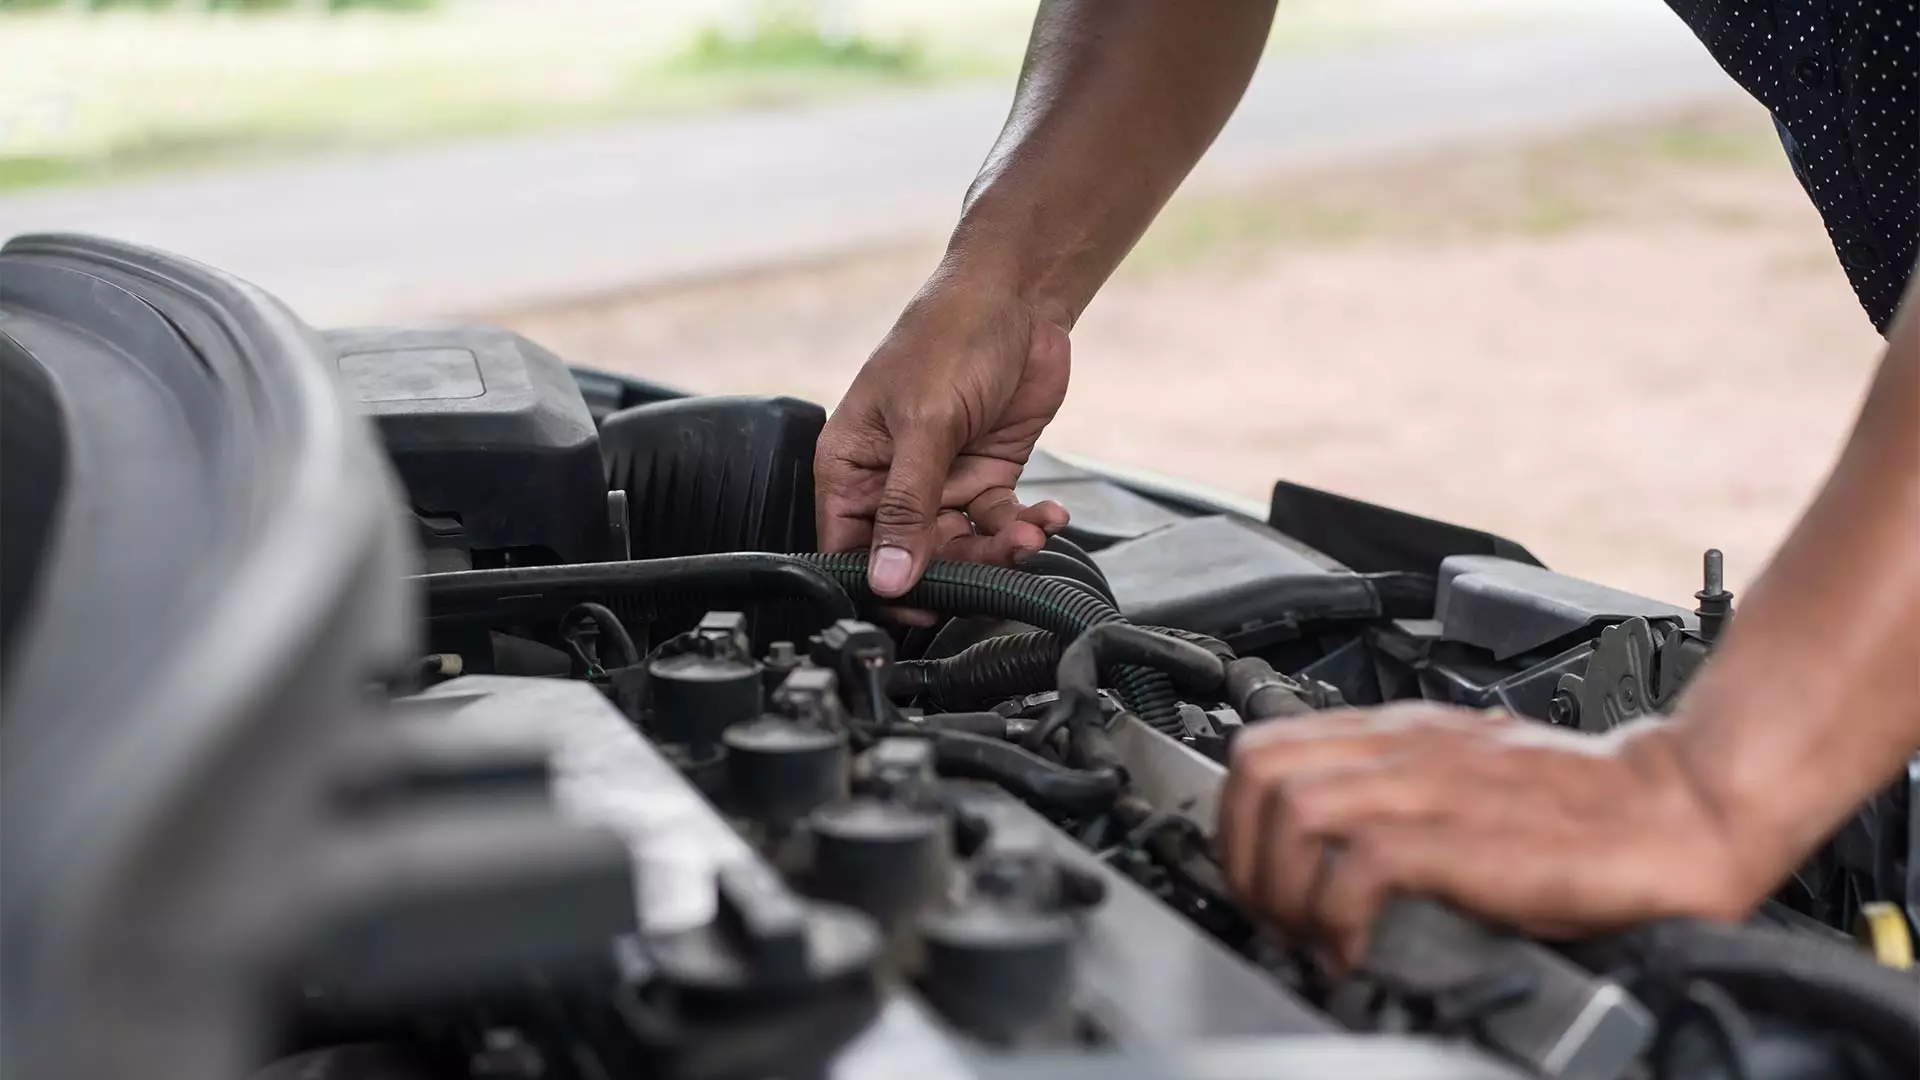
1539 269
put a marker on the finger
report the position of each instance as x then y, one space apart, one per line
1483 871
999 550
841 522
842 519
1002 517
1277 872
1049 515
950 526
995 509
903 520
1019 542
1414 743
1306 814
1265 754
986 550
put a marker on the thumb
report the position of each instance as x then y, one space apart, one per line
903 522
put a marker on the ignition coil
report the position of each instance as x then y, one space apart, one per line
785 764
890 850
860 653
705 685
1001 965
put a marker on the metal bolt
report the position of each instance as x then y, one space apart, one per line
1563 709
1716 603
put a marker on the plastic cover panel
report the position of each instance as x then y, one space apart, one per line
1229 577
1510 608
487 427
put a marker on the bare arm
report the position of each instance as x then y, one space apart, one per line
1118 99
1810 704
1813 699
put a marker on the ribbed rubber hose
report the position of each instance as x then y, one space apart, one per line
1012 665
1063 608
1056 564
1009 666
1811 979
1111 646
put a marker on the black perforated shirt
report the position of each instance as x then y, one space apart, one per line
1842 79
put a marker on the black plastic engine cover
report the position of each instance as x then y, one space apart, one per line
1509 607
490 435
1232 578
715 474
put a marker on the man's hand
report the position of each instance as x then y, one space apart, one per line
921 457
1552 832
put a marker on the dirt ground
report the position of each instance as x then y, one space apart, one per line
1618 347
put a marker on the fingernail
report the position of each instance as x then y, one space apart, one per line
1022 556
888 570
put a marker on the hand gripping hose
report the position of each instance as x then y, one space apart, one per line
1060 607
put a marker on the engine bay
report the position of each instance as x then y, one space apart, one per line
406 704
986 842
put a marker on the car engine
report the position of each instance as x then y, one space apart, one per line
659 791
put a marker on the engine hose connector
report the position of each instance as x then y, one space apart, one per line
1063 608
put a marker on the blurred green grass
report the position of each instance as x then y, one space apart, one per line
102 96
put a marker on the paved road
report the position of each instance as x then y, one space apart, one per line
514 221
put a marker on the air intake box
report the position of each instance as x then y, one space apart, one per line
711 474
492 438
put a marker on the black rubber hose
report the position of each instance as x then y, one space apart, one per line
953 588
993 670
747 575
1060 545
1103 648
1212 644
1111 644
1064 608
1090 746
1085 587
1009 666
1060 565
610 627
1813 980
989 724
1054 787
1257 692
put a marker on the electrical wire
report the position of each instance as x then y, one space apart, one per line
611 630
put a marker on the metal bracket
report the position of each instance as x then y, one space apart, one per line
619 536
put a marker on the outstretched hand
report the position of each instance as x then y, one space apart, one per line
1553 832
920 459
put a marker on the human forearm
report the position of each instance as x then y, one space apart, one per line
1814 696
1117 100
